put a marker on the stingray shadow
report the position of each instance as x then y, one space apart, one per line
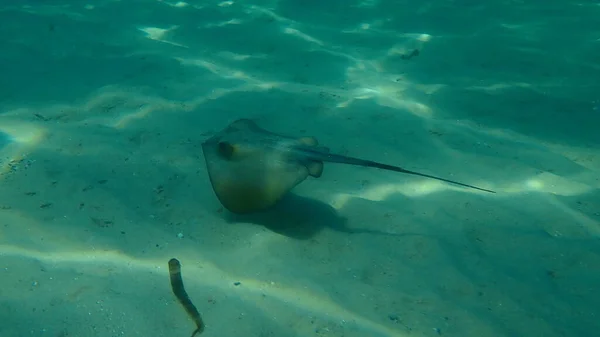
301 218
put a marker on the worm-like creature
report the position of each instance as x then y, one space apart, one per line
182 296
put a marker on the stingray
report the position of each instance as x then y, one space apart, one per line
251 169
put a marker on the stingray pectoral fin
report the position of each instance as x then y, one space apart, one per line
240 199
246 192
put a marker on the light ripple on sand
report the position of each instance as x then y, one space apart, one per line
209 275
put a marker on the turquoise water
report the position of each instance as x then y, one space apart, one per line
4 139
104 107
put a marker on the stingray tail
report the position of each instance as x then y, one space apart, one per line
334 158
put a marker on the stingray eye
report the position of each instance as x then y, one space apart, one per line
226 150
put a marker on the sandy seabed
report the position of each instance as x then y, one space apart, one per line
104 106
